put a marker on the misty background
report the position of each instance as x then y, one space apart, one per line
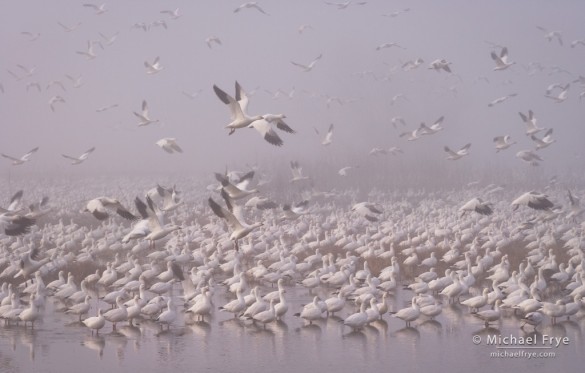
351 86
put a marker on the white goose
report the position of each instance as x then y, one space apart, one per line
533 200
501 60
530 121
81 158
545 141
237 106
154 67
144 116
503 142
239 227
21 160
310 66
157 230
169 145
453 156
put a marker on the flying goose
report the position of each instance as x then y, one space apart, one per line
367 210
232 215
81 158
545 141
440 64
503 142
69 28
530 121
388 45
89 53
310 66
561 96
169 195
212 39
53 100
109 40
477 205
154 67
98 208
173 14
99 9
453 156
144 117
234 192
549 35
21 160
157 230
501 60
329 136
169 145
533 200
529 156
238 107
297 172
499 100
267 132
434 128
293 212
14 224
250 5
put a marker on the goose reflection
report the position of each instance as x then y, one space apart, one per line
407 333
96 343
431 326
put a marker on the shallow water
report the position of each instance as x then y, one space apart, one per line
60 344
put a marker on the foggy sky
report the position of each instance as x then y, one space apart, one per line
257 50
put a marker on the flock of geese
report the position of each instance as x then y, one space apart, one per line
168 254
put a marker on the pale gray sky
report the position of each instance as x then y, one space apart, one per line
257 50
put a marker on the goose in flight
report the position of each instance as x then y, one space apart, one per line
76 81
53 100
561 96
534 200
144 117
453 156
367 210
277 120
412 136
389 45
576 209
239 191
13 224
574 43
212 39
81 158
530 121
329 136
297 172
169 145
233 217
545 141
170 197
344 5
267 132
293 212
238 107
154 67
501 60
21 160
529 156
499 100
309 67
99 207
173 14
157 230
109 40
69 28
440 64
250 5
89 53
550 35
412 64
503 142
378 151
477 205
434 128
99 9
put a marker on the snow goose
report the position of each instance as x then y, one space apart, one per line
32 313
503 142
545 141
266 316
312 311
367 210
202 306
250 5
389 45
98 9
236 306
96 322
297 172
80 309
408 314
412 136
477 302
453 156
21 160
440 64
169 145
89 53
533 200
434 128
329 136
501 99
310 66
154 67
532 318
530 121
501 60
561 96
15 225
550 35
529 157
489 316
237 106
98 208
234 219
144 116
553 310
477 205
29 263
212 39
359 319
81 158
116 315
168 316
